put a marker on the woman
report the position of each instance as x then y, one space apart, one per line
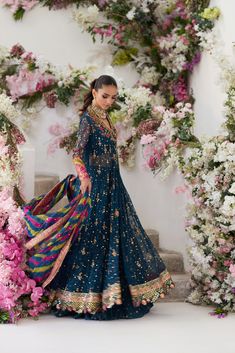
112 270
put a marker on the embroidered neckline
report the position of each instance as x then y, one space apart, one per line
95 113
99 112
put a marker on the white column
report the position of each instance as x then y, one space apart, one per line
27 152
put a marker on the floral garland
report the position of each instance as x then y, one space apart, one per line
209 173
10 137
164 56
162 38
32 83
19 295
164 131
163 146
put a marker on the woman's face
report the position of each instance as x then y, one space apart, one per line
105 96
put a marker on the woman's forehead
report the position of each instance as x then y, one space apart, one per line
108 89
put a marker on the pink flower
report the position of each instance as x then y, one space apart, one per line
232 270
152 163
17 50
38 309
28 56
224 249
228 262
146 139
180 90
109 31
53 146
28 5
28 82
36 294
50 98
57 129
221 241
14 282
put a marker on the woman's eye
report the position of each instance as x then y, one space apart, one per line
105 97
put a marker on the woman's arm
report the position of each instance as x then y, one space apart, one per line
78 153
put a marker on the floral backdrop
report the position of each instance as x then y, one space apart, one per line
209 173
158 110
162 39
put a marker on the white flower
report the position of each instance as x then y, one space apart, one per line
9 178
228 207
7 108
136 97
215 297
232 188
131 14
149 76
162 7
215 198
157 100
4 52
87 16
195 297
226 152
210 180
233 254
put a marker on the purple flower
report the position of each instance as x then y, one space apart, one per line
196 59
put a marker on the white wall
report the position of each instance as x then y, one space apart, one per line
54 35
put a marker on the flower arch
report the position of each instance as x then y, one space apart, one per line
157 110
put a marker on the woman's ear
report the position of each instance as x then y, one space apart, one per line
93 92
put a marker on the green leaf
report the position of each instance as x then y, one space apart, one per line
30 100
64 94
124 56
4 317
141 114
19 14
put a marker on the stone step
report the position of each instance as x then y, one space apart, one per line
173 260
154 237
44 183
181 290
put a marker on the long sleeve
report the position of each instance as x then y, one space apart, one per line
78 152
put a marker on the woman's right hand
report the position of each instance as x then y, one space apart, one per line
85 184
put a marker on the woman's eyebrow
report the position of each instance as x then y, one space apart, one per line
114 95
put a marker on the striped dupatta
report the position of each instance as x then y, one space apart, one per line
52 233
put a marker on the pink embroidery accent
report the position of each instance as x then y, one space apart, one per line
80 168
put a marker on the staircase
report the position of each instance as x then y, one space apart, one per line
175 265
172 259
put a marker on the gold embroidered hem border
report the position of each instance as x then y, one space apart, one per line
152 290
87 302
93 302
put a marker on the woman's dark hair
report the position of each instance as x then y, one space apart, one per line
96 84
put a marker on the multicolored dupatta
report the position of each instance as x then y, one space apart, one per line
52 233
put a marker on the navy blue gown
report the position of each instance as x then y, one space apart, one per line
112 271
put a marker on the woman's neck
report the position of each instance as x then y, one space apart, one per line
100 112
